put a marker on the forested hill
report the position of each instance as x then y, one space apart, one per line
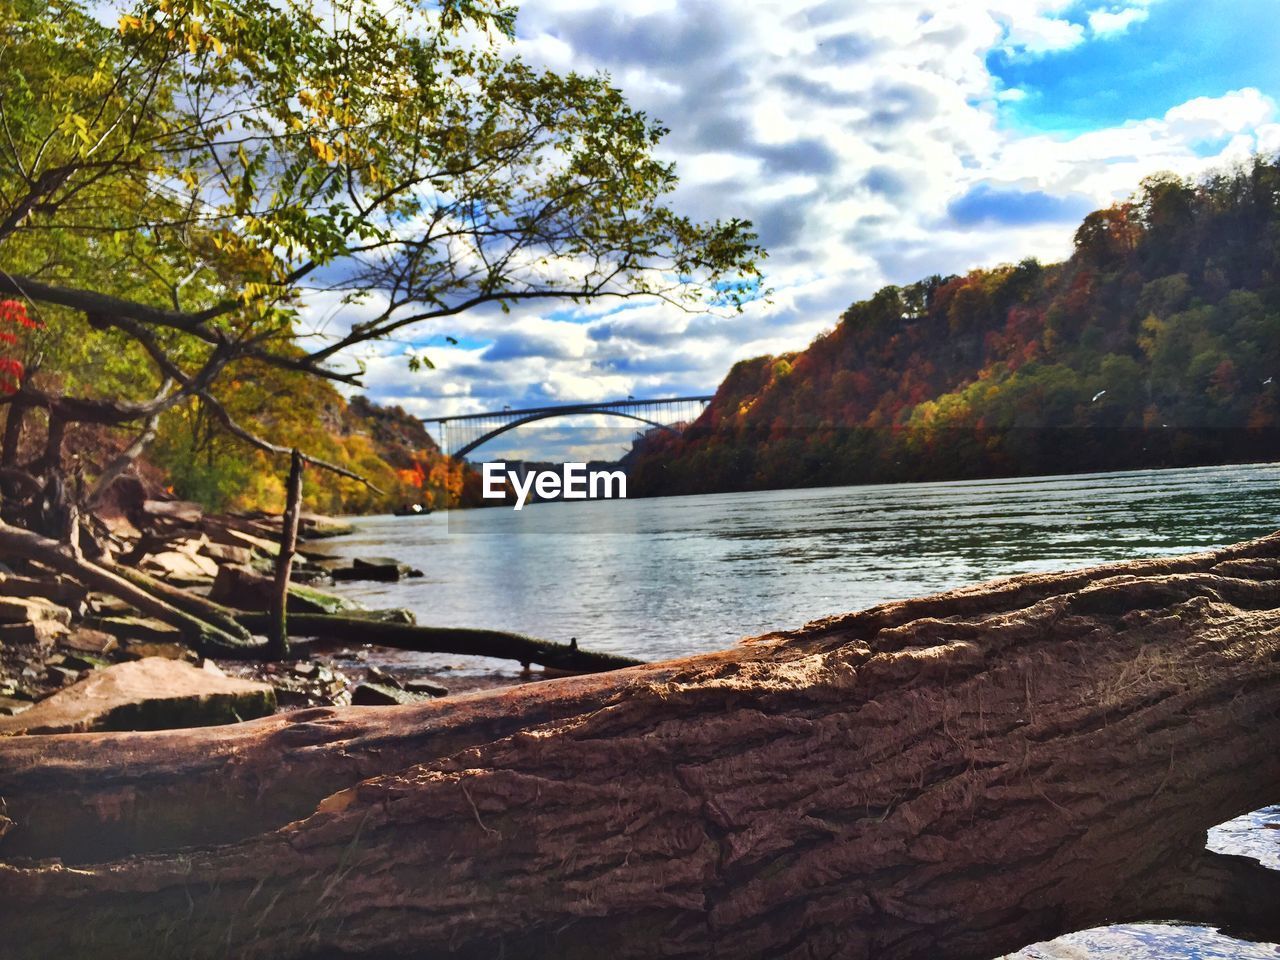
1156 344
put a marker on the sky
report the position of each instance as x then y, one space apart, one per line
871 142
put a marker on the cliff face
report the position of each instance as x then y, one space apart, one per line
1156 344
423 473
400 437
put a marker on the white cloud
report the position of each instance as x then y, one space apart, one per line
1108 23
1037 35
846 131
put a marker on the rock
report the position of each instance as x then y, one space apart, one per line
190 545
90 641
143 649
315 526
182 511
381 695
120 526
141 629
179 567
427 687
372 568
150 694
62 675
104 605
27 610
238 538
246 589
10 707
226 553
62 592
380 677
85 661
264 526
43 633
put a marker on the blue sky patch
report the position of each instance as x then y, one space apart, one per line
999 205
1184 49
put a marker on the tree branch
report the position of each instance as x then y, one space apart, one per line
223 417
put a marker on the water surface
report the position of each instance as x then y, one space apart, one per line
678 575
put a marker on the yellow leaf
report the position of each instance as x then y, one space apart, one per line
322 150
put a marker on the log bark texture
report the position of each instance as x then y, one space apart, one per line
954 776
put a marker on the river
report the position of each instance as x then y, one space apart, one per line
668 577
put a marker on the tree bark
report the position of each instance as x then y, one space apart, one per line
954 776
13 424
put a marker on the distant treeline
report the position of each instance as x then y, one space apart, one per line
1156 344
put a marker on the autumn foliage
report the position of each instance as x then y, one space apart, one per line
13 314
1156 344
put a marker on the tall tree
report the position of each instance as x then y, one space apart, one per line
175 185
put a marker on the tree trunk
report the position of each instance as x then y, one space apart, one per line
278 637
954 776
126 459
12 433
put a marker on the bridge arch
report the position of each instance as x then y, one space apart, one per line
575 411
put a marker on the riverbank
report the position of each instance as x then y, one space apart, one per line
65 644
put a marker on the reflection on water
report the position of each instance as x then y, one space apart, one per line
669 577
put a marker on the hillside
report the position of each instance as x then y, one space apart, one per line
383 443
1157 343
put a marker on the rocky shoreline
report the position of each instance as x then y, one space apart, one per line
68 650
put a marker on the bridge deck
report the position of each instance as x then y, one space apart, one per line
461 434
567 409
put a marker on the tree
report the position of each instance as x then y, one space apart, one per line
1106 237
952 776
178 185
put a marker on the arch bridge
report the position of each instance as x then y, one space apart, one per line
463 434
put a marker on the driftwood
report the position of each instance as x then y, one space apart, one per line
452 640
16 542
219 631
954 776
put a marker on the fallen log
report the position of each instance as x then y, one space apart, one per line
205 636
202 608
463 641
219 631
954 776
